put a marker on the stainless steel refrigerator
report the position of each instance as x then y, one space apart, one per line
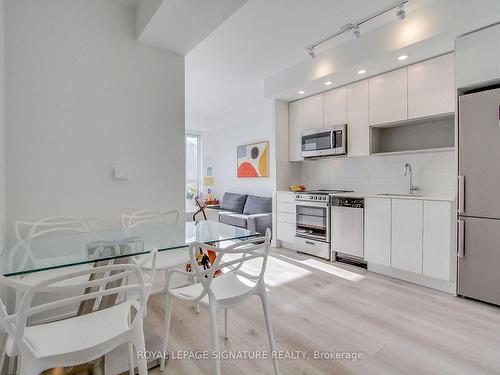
479 196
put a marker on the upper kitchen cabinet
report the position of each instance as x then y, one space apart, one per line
313 112
431 87
388 97
335 107
296 124
358 130
477 58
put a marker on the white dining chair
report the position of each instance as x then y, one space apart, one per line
224 290
46 227
54 225
82 338
166 259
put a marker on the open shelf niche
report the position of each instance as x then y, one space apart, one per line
432 134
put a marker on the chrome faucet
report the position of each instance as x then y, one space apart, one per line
407 171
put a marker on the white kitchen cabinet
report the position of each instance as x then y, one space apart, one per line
296 124
285 217
388 97
335 107
477 58
378 231
285 232
313 112
406 249
431 87
437 240
358 129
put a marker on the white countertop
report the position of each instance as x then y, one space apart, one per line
357 194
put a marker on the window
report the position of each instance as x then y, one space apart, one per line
193 165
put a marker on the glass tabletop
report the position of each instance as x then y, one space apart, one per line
70 249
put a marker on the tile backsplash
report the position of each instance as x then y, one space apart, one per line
434 173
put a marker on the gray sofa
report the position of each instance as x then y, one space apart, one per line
246 211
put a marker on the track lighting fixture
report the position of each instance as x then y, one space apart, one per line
355 31
354 26
401 14
310 52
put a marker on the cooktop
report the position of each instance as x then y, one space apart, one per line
324 191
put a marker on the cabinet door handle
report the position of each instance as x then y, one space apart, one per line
461 238
310 243
461 194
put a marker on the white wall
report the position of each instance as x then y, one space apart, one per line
253 122
82 96
435 173
3 215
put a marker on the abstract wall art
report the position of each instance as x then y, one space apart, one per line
253 160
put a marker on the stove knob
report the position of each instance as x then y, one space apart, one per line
310 197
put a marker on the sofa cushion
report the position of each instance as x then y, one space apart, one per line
233 202
257 205
258 223
238 220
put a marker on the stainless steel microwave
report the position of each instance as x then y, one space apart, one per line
324 142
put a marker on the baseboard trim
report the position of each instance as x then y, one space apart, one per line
430 282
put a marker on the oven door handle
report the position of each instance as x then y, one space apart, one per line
324 204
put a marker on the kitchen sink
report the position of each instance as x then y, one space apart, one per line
400 195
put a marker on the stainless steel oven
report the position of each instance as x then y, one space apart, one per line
313 220
312 228
324 142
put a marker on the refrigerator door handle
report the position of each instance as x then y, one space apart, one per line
461 195
461 238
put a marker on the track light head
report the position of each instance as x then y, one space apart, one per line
310 52
401 14
356 32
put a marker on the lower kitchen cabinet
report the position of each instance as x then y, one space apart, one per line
285 232
378 231
406 249
410 237
437 240
285 217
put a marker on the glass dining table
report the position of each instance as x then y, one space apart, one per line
22 257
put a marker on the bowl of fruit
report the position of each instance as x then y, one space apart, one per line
297 187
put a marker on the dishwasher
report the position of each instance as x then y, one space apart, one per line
347 230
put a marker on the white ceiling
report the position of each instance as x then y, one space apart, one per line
180 25
227 70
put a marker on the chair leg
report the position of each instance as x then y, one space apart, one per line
215 339
270 334
166 323
225 324
140 346
131 366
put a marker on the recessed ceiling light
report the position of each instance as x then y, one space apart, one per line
302 92
328 83
402 57
361 71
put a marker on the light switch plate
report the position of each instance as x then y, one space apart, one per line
121 172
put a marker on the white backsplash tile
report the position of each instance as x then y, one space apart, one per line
435 173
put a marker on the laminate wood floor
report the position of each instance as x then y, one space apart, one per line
399 327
